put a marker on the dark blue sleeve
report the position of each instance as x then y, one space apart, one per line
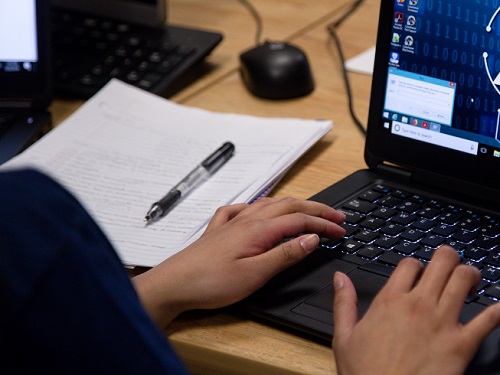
67 302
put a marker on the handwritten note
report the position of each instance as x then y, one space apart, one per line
125 148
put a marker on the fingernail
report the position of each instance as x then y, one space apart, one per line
309 243
338 280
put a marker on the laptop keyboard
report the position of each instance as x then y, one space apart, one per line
89 51
385 225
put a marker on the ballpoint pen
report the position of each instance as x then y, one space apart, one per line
206 168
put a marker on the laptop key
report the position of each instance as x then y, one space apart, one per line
464 236
493 260
486 242
406 247
366 236
403 218
392 229
411 235
384 213
370 252
490 230
390 258
425 254
424 224
350 246
474 252
444 230
386 242
490 273
372 223
360 206
351 217
432 241
370 196
349 229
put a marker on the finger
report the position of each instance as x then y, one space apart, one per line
345 312
285 255
224 214
285 206
294 224
438 272
462 281
404 277
478 328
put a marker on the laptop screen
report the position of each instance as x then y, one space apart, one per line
18 44
439 86
24 54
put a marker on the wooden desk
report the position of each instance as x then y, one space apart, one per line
219 342
216 341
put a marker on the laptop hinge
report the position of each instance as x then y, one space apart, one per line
394 170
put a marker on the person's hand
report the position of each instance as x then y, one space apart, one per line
241 249
412 326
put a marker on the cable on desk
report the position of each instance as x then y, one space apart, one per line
332 30
258 19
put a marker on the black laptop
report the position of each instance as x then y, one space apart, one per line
96 40
433 152
24 74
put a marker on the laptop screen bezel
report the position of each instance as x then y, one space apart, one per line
419 158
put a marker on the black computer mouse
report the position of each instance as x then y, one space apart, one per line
276 70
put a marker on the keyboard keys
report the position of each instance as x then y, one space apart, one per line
384 225
89 51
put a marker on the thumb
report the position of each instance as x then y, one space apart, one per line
345 311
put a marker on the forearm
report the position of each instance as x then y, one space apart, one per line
152 290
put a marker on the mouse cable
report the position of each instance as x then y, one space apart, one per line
258 19
332 30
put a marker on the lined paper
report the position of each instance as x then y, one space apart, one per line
125 148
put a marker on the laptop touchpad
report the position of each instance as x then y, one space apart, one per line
367 285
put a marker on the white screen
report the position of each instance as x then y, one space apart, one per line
18 31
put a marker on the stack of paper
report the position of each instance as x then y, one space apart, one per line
125 148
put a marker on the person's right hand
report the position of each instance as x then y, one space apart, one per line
412 326
242 248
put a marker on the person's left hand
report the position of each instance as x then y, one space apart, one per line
241 249
412 325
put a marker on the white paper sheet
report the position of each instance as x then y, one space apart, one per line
125 148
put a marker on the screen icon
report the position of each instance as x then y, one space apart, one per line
394 58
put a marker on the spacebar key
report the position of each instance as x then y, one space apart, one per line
377 268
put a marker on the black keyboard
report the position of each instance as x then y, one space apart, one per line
88 51
385 224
